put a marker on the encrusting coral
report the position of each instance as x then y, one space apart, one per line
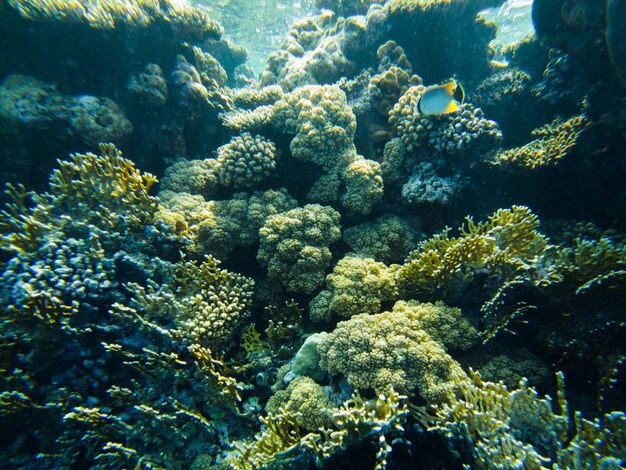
295 245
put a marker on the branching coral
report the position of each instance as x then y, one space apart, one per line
512 429
590 262
282 443
503 427
508 241
208 304
295 246
389 349
356 285
245 160
553 142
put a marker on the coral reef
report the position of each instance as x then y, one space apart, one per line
295 245
293 296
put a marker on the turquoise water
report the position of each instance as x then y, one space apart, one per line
316 234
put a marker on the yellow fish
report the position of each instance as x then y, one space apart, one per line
441 99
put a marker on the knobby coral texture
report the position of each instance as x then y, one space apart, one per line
401 245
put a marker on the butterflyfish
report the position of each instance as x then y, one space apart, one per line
441 99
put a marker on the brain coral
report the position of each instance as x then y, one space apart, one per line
389 349
295 246
356 285
245 160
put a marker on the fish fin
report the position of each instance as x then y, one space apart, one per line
418 106
449 87
452 107
459 93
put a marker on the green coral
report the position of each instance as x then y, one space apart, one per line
190 21
191 176
552 142
218 227
388 239
323 124
389 349
307 401
364 186
245 161
506 242
295 245
356 285
444 324
210 304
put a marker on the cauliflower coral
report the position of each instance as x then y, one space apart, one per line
295 246
393 349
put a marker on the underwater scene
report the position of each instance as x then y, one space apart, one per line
335 234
